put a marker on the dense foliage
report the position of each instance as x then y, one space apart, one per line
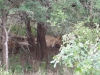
79 18
81 50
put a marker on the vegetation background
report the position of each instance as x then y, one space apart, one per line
77 21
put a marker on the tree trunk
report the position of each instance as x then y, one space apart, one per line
91 14
30 37
41 43
4 40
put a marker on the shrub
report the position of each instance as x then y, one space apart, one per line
3 72
81 51
21 30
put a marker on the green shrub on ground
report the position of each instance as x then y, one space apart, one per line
3 72
15 64
85 33
81 51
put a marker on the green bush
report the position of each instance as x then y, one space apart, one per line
3 72
86 33
15 64
81 51
21 30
